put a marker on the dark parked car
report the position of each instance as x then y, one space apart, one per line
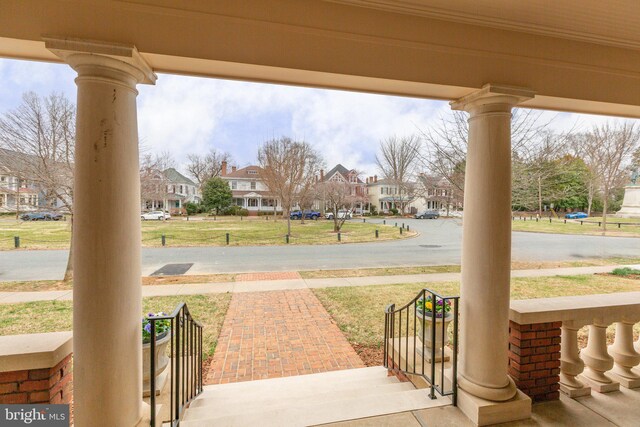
428 215
576 215
52 216
33 216
307 214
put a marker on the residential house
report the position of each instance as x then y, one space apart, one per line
437 193
19 191
351 177
249 190
387 195
168 190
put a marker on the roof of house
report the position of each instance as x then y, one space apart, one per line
244 172
342 171
174 176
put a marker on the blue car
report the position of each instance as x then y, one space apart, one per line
33 216
576 215
307 215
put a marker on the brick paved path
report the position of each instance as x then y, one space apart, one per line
277 334
269 275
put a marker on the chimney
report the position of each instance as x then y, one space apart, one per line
233 169
375 178
223 171
321 174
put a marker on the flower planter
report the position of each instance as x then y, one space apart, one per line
440 341
161 362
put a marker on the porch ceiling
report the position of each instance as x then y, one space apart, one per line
577 55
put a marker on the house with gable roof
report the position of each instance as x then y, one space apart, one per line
249 190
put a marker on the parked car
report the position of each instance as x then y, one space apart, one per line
33 216
157 215
342 213
576 215
52 216
428 215
308 214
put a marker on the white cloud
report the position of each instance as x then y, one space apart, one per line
186 115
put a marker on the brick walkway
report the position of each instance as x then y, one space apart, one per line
273 275
276 334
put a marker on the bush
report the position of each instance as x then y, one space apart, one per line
394 211
373 210
625 271
191 208
269 213
235 211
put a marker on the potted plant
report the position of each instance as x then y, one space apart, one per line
425 310
163 336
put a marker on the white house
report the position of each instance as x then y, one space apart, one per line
178 190
249 190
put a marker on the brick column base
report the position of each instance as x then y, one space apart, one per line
534 359
46 385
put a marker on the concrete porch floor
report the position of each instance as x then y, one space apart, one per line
618 408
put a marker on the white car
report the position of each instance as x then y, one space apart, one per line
157 215
342 214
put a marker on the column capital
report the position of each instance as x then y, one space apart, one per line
494 95
80 54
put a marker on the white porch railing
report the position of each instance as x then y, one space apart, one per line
598 366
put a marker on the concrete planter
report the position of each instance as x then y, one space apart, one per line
440 341
161 361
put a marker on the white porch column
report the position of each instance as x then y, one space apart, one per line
106 237
486 243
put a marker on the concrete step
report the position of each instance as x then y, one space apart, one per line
238 407
267 386
318 412
281 390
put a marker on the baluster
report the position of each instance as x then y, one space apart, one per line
625 356
570 363
597 361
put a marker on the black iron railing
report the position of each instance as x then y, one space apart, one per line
185 352
416 341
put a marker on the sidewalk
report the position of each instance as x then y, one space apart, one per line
299 283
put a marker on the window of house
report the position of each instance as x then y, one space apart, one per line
381 190
253 185
234 185
252 172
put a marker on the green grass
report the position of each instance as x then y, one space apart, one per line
51 316
625 271
573 227
245 232
359 311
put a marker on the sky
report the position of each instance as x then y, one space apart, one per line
190 115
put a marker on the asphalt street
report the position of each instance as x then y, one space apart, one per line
438 243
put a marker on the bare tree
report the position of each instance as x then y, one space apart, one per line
41 135
446 143
288 169
207 166
339 195
397 161
608 150
537 166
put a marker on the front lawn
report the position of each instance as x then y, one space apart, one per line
208 232
359 310
589 226
52 316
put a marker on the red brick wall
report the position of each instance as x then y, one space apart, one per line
534 359
47 385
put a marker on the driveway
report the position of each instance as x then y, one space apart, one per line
439 243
